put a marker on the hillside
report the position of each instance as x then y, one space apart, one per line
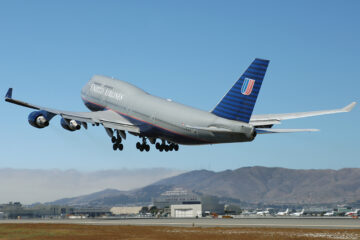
274 185
254 185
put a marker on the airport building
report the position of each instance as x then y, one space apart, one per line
16 210
186 211
125 210
177 196
179 203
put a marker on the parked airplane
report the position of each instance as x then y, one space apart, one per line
263 213
249 213
327 214
120 107
354 213
298 214
283 213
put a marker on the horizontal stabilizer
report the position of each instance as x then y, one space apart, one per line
270 130
349 107
271 119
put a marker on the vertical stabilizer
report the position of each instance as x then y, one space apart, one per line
239 102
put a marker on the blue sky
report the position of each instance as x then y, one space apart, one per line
192 52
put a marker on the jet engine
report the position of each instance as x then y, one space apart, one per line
70 125
40 119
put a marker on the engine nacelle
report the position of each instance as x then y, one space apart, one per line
70 125
40 119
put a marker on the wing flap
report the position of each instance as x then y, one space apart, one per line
118 126
108 119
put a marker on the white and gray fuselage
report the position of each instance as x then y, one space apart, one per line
161 118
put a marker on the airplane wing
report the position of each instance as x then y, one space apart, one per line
267 120
108 118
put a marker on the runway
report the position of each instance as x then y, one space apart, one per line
271 222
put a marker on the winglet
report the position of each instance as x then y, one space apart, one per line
9 93
349 107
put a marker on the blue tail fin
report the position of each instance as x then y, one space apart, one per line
239 102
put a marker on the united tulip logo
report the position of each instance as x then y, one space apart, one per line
247 86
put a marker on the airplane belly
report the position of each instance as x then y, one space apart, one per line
174 135
232 137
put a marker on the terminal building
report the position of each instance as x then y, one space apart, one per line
17 210
180 203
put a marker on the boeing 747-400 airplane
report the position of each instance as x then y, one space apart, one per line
121 107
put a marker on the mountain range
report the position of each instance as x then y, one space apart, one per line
247 185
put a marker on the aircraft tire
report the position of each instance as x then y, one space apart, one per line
121 147
147 148
138 145
113 139
115 147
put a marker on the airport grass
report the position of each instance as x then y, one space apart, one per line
84 232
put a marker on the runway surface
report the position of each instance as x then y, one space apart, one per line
274 222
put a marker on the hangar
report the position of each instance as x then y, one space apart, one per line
186 210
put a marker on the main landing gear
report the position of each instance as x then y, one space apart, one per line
166 147
143 146
117 143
